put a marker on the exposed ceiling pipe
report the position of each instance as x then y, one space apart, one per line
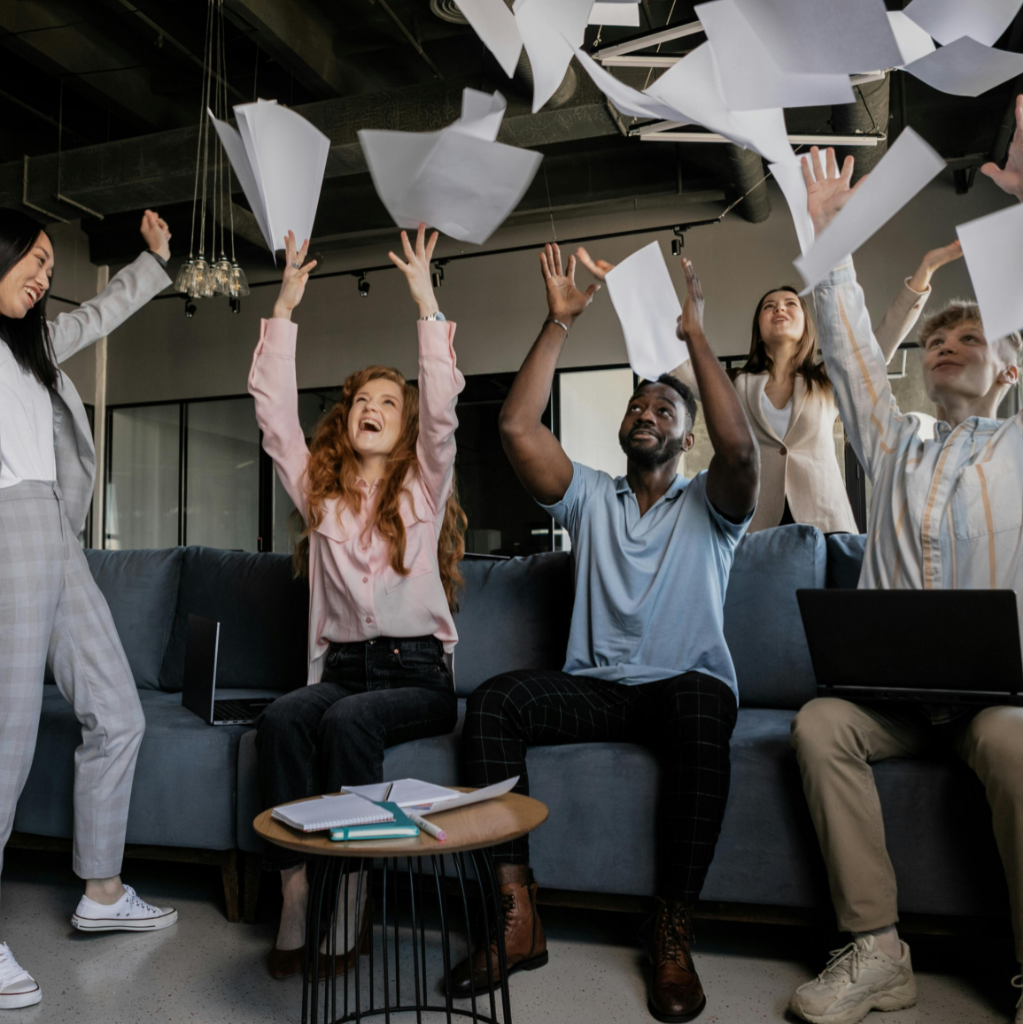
747 172
869 115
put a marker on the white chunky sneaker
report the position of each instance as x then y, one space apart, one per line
17 987
858 978
128 914
1017 982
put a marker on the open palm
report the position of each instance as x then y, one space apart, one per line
827 189
1010 178
564 299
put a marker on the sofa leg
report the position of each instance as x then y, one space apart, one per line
229 874
253 875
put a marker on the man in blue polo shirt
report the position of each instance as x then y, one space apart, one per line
647 660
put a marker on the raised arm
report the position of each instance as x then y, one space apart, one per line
440 382
1010 178
536 455
272 381
733 479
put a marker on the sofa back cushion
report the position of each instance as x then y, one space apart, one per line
845 559
514 613
762 622
263 613
141 588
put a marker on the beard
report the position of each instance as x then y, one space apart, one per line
651 456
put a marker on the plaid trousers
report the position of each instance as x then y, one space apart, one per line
686 720
52 612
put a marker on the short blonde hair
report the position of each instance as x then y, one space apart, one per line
960 311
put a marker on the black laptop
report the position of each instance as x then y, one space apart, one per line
937 646
200 685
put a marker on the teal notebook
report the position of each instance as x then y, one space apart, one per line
400 828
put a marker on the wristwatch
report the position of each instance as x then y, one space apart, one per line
435 316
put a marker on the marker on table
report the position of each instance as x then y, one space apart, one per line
427 826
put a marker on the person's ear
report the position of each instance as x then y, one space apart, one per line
688 441
1010 374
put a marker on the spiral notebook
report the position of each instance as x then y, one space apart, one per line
331 812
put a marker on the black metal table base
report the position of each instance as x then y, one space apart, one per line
343 997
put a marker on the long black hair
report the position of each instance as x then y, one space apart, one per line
28 338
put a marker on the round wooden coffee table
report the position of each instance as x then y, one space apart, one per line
471 832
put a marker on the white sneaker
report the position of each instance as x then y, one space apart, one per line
128 914
858 978
17 987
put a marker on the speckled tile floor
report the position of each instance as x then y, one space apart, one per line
207 971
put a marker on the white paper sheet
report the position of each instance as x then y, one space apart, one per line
947 20
993 249
475 797
458 180
790 181
644 299
628 100
494 23
913 41
550 32
824 36
902 172
279 158
404 792
750 76
966 67
693 87
625 15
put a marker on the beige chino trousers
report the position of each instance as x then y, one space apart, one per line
837 741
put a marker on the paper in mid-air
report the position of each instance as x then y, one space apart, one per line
947 20
628 100
279 159
966 67
459 180
550 33
625 15
790 181
903 171
750 77
648 308
494 23
993 249
912 40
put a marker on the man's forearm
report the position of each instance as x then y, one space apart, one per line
726 421
531 390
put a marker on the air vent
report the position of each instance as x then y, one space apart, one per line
448 11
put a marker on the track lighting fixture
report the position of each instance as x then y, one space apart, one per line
437 277
363 286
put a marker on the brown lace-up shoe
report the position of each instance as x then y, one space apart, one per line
525 944
676 993
283 963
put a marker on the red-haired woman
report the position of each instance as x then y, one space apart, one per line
382 541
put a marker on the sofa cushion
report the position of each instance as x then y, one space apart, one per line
762 623
514 613
845 559
141 588
263 613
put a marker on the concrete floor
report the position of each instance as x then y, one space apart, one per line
207 971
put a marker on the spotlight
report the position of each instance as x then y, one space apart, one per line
363 286
437 277
189 309
677 242
236 304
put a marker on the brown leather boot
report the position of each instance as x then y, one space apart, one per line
525 944
676 993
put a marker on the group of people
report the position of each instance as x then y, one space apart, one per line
647 660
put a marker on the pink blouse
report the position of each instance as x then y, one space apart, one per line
354 593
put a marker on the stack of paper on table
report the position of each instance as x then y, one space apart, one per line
404 792
475 797
279 159
338 811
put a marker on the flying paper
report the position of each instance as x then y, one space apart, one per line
628 100
966 67
644 299
550 32
912 40
279 159
693 87
824 36
624 14
947 20
459 180
750 77
495 24
907 166
790 181
993 248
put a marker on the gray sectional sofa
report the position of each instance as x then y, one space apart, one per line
195 791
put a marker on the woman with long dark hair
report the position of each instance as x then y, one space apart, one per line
51 611
382 539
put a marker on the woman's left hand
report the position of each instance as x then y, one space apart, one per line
156 233
417 270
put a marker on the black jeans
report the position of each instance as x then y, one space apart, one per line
687 721
373 695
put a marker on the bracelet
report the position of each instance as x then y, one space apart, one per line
555 320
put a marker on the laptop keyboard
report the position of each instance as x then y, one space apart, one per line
238 710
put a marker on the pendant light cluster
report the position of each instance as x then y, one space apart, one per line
199 277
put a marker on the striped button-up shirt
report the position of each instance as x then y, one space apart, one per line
944 513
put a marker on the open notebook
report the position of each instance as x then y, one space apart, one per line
331 812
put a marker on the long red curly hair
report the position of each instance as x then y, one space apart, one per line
333 469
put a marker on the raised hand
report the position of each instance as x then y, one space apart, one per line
690 323
1010 178
921 279
417 270
827 191
156 233
296 276
564 300
598 268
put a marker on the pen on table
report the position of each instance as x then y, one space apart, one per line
387 795
427 826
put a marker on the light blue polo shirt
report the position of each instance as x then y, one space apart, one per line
649 591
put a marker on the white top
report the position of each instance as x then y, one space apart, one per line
779 419
26 425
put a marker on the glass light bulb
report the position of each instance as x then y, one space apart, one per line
238 285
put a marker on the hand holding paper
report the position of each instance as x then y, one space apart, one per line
296 277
